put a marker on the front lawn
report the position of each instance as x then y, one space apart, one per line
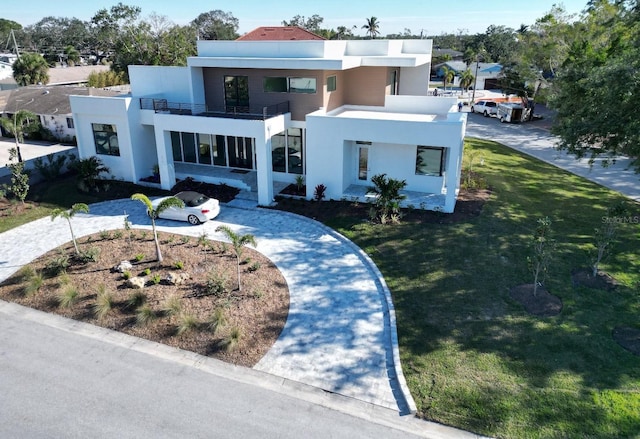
473 358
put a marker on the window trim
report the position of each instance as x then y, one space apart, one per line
112 151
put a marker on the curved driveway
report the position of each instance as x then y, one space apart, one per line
340 334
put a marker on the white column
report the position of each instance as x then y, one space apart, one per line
263 168
165 159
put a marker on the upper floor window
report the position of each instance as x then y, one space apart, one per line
429 161
275 84
331 83
106 139
70 122
302 85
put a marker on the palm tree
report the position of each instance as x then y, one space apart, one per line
23 122
372 27
89 171
237 241
68 214
31 68
466 79
447 76
388 196
154 212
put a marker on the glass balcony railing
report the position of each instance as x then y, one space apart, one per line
202 110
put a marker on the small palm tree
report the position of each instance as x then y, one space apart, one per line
31 68
447 76
372 26
89 171
154 212
23 122
388 194
466 79
237 241
68 214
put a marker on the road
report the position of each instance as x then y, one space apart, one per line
64 384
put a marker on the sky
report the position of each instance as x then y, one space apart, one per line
430 17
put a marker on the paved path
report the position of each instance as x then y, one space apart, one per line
534 139
340 334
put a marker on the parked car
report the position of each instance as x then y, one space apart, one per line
486 108
198 208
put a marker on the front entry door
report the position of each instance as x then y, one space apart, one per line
363 163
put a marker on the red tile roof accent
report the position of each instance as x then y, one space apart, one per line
279 33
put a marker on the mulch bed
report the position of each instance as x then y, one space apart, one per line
259 311
543 304
601 281
222 192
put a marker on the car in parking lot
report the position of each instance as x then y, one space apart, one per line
486 108
198 208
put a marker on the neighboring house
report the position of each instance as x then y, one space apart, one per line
50 103
486 74
279 33
258 114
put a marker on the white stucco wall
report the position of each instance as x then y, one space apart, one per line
171 83
107 110
57 124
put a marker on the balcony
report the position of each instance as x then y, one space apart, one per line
203 110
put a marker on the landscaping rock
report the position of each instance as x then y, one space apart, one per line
177 278
136 282
122 267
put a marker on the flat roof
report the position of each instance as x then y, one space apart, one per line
384 115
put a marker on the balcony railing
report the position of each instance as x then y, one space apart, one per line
203 110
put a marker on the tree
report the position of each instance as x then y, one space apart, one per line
466 79
596 92
72 55
68 214
604 235
19 186
216 25
541 250
447 76
312 24
106 79
155 212
372 26
23 122
31 68
237 242
89 171
388 197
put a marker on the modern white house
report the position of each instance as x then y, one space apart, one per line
258 114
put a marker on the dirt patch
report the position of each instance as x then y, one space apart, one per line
601 281
293 189
628 338
252 319
543 304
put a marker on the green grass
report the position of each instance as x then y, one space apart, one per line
472 356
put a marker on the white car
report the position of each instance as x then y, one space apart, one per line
486 108
198 208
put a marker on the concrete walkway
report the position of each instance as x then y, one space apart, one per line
340 334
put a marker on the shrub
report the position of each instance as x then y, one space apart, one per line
146 271
156 279
216 285
216 320
25 272
319 192
178 265
145 315
136 299
52 168
126 275
172 306
186 322
34 283
57 265
388 197
254 267
230 342
139 257
104 302
185 239
68 297
105 234
88 255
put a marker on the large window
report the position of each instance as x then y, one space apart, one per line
236 93
287 152
302 85
275 85
272 84
207 149
106 139
429 160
